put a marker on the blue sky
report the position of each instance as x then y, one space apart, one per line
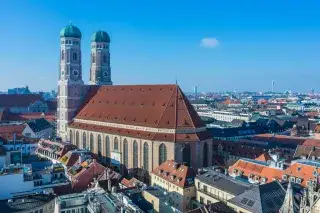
218 45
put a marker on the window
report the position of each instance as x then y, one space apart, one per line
205 188
74 56
205 154
62 55
40 211
146 156
105 59
91 143
84 141
116 144
135 154
186 154
162 153
93 59
125 152
201 200
77 139
70 137
107 146
99 146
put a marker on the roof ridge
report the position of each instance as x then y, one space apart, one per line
165 108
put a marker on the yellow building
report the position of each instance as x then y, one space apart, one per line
176 181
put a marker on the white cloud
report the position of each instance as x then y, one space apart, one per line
209 42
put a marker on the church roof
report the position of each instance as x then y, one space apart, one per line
155 106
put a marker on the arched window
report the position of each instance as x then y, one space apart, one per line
99 146
125 152
74 56
93 58
104 58
62 55
91 142
116 144
186 154
146 156
70 137
84 141
77 139
107 147
162 153
135 154
205 155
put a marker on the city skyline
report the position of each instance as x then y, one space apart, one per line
216 46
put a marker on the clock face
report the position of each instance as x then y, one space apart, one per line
75 72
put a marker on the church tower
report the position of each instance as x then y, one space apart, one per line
70 84
100 71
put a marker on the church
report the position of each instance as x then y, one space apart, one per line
130 126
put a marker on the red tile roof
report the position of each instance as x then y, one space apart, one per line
303 171
175 173
279 138
17 100
7 132
36 115
158 106
264 157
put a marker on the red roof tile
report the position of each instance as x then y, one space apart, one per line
158 106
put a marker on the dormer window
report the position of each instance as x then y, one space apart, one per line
298 180
285 177
292 179
315 172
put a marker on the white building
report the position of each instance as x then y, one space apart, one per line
225 115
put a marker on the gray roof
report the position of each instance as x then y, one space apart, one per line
25 203
223 182
38 125
266 198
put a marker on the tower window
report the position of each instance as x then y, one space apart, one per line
74 56
104 58
93 58
62 55
74 42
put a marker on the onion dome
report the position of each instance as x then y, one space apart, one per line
100 36
70 31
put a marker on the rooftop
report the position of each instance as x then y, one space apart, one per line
25 203
223 182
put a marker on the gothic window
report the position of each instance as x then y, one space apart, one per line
146 156
104 58
91 142
107 146
125 152
135 154
205 155
74 56
186 154
116 144
84 141
70 137
77 139
99 146
62 55
93 58
162 153
68 56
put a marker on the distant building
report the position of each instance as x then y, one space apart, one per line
18 103
225 115
19 91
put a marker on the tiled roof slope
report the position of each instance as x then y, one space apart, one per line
158 106
16 100
175 173
38 125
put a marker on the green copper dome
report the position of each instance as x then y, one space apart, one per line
100 36
70 31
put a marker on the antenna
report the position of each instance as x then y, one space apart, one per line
272 85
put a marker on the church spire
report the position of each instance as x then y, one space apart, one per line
289 205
